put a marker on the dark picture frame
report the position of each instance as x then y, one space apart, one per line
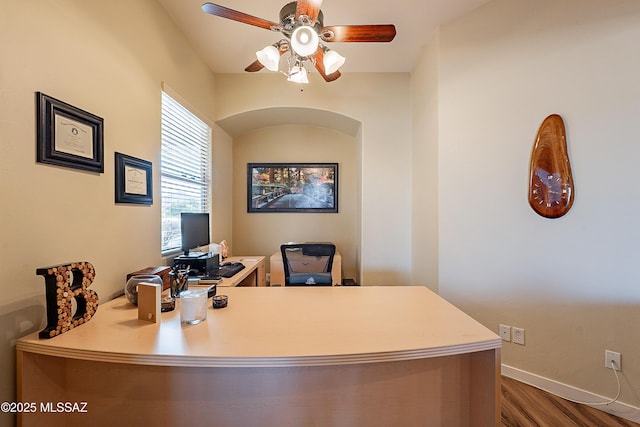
68 136
134 180
292 187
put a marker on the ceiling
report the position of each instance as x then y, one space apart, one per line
229 46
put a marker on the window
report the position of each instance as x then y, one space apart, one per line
184 168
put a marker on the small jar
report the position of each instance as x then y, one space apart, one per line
220 301
131 288
193 306
167 301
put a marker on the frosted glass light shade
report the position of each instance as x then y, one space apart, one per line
304 41
269 57
298 74
332 61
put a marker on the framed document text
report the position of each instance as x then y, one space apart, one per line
134 183
68 136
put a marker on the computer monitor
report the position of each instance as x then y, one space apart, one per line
194 228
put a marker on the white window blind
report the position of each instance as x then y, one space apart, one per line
184 168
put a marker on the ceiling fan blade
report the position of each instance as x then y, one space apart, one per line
358 33
254 66
319 62
310 8
331 77
234 15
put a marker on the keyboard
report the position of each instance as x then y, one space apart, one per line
230 269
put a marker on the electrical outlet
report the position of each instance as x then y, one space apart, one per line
505 333
612 356
517 335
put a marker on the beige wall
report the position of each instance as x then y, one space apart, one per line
425 168
263 233
572 283
381 104
108 58
222 187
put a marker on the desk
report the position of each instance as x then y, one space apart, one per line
254 273
281 356
276 269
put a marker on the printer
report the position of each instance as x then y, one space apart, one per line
199 263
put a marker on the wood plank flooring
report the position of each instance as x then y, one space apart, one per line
527 406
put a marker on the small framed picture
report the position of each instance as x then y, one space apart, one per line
134 183
68 136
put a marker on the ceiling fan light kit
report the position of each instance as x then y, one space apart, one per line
332 61
298 74
269 57
304 41
302 23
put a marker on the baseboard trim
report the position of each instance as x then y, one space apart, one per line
565 391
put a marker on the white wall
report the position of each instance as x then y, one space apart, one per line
572 283
108 58
381 102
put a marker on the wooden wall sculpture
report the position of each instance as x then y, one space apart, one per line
551 190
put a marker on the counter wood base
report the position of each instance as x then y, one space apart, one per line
207 384
444 391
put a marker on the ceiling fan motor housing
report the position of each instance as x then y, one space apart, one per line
288 18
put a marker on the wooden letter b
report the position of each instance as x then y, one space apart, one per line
64 282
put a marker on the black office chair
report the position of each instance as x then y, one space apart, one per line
307 264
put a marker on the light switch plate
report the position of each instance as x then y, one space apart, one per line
505 333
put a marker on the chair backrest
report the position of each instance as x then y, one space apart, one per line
308 263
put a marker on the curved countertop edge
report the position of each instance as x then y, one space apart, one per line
176 360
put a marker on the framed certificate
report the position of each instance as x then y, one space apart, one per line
134 183
68 136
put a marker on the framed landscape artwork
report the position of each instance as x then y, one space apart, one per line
292 187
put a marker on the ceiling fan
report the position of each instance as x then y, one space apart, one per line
302 23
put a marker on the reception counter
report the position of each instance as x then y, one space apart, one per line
284 356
